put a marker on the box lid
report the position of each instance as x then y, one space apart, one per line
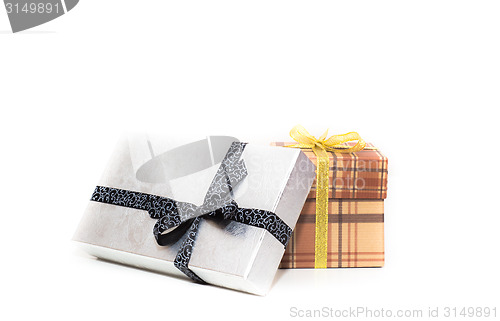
359 175
226 253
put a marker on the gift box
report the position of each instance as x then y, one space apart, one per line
357 187
215 210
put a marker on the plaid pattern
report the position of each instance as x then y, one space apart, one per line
355 235
361 174
357 189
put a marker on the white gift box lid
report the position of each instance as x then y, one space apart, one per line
226 253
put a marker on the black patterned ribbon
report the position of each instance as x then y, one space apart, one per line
175 219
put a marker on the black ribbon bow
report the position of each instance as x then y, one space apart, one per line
175 219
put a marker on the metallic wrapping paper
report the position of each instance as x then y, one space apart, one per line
227 254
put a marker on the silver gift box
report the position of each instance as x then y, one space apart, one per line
226 253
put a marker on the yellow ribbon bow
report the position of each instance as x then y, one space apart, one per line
320 146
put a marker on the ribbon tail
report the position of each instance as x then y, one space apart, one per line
183 257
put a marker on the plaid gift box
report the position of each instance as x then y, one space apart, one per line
357 189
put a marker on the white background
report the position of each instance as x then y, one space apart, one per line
420 79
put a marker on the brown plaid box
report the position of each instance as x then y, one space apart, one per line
357 189
355 235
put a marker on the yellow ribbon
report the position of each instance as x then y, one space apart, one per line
320 146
